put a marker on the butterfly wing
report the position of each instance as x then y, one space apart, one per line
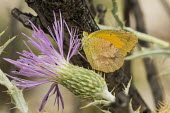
123 40
102 55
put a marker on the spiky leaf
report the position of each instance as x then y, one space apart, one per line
4 46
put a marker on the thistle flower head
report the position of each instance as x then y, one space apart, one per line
52 66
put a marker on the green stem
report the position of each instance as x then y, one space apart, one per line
115 11
148 38
149 53
141 36
15 93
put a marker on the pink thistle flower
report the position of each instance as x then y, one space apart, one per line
51 66
45 66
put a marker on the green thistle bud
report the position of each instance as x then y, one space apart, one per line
84 83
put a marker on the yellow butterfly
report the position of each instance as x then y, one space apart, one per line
105 49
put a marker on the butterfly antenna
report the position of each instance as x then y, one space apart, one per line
82 56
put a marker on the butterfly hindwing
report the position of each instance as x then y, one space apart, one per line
102 55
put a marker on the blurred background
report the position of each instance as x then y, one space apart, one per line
157 22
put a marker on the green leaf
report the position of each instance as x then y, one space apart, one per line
4 46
